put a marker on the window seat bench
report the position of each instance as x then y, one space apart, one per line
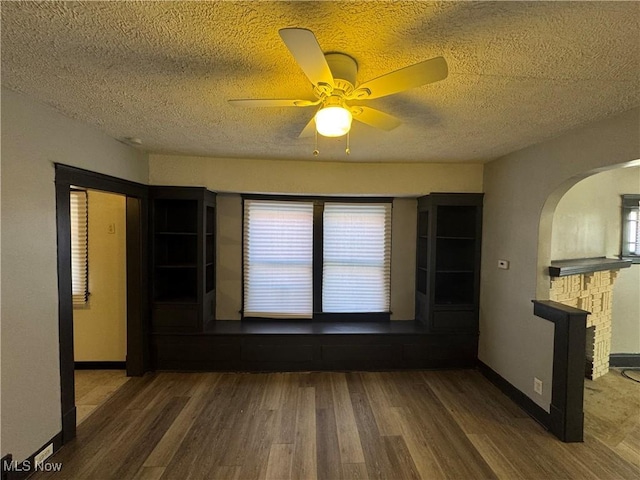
258 346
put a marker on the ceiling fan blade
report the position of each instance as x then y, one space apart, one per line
310 129
272 102
306 51
412 76
375 118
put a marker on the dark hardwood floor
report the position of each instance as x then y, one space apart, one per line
392 425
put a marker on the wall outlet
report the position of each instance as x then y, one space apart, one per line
45 453
503 264
537 385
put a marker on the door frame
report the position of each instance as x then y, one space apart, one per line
137 208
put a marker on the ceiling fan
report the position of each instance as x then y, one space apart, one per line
337 92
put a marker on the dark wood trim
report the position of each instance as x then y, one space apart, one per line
629 360
138 355
352 317
318 255
563 268
452 199
567 390
26 468
79 177
534 410
65 310
138 359
100 365
320 199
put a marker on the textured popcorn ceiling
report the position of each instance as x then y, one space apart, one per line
520 72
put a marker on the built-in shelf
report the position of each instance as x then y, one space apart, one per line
563 268
183 254
448 262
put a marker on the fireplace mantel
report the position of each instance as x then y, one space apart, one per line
563 268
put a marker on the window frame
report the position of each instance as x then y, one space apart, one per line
630 202
318 228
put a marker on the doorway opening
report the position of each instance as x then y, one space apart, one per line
99 278
582 220
136 360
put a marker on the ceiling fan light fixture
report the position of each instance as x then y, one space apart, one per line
333 121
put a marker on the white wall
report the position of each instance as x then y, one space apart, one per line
521 193
100 327
34 136
314 178
307 177
587 223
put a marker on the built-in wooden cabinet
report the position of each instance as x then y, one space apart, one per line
183 259
448 262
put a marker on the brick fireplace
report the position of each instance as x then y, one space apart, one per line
587 284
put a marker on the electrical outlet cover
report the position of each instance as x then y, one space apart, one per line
537 386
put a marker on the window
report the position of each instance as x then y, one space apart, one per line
631 227
312 258
356 257
278 256
79 247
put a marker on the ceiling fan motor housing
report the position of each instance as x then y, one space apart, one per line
344 69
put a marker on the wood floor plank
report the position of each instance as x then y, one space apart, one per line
419 446
379 458
225 472
149 473
348 436
400 457
261 437
205 439
242 417
385 415
304 459
495 457
355 471
168 445
629 448
279 463
327 445
129 451
324 390
286 423
272 395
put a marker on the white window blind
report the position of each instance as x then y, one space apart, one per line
79 247
278 259
357 257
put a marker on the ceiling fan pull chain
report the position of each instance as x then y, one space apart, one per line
348 150
316 151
